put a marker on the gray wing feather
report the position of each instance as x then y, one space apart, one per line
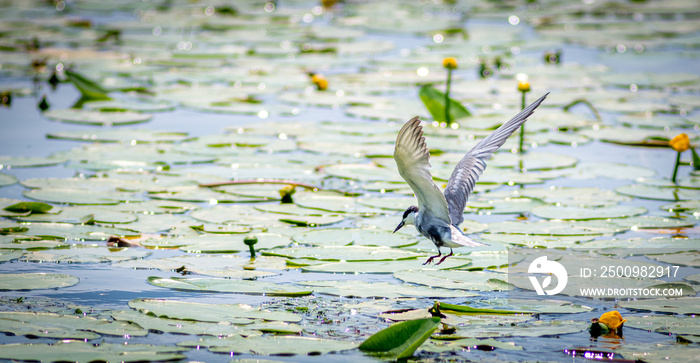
473 164
413 161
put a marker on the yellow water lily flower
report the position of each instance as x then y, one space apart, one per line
524 86
449 63
680 143
612 319
320 82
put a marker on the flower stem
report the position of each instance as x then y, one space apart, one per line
675 169
447 97
522 128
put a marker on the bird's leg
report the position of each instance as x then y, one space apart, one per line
443 259
433 257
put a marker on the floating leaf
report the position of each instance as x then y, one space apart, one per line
209 312
33 207
227 285
681 305
355 237
79 351
271 345
97 118
7 179
402 339
586 213
35 281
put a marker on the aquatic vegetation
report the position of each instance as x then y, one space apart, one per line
142 143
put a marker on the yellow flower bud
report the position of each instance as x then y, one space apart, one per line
320 82
680 143
613 319
449 63
524 86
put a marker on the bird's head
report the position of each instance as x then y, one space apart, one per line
409 217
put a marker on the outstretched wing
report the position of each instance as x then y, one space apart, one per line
413 160
473 164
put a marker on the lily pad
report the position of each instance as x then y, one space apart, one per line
9 162
402 339
382 290
62 326
7 179
86 254
77 351
271 345
354 237
97 118
586 213
209 312
681 305
452 279
120 135
35 281
227 285
658 193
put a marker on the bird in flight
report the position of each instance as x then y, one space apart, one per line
438 216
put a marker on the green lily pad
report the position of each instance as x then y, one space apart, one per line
228 266
62 326
453 279
402 339
657 193
213 313
650 80
438 346
9 255
532 161
7 179
354 237
78 351
120 135
658 121
32 207
536 328
227 285
382 290
35 281
271 345
228 244
9 162
571 196
97 118
665 324
382 267
344 253
654 222
81 214
332 203
134 105
536 241
85 254
681 305
682 258
164 325
586 213
556 228
80 197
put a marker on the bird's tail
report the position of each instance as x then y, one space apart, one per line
465 241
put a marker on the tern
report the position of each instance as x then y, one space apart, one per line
438 216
